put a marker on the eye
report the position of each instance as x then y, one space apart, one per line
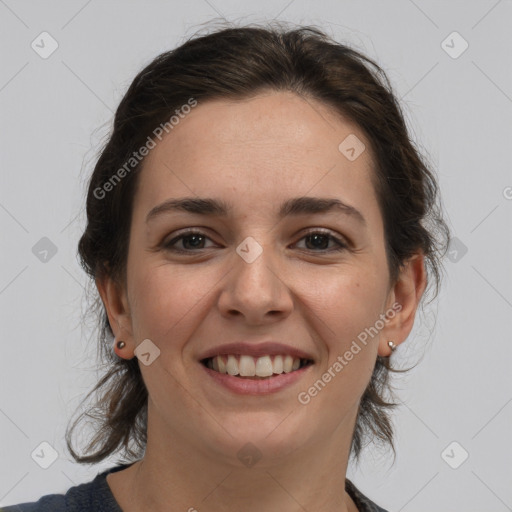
194 240
319 240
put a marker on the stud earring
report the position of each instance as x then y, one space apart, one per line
119 344
392 346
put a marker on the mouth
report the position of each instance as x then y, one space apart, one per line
255 368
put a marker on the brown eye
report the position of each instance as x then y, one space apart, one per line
190 240
318 241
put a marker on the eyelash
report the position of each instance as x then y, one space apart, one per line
168 245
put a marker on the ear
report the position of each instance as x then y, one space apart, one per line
405 295
116 303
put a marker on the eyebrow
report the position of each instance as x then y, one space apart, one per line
291 207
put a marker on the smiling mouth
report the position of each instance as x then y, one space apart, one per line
265 367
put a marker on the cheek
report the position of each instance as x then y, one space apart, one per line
344 312
346 300
165 300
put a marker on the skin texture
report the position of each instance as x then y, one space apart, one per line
254 154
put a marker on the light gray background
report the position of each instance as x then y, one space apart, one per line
54 112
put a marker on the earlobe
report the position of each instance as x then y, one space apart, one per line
114 299
406 293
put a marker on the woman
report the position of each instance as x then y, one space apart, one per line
249 361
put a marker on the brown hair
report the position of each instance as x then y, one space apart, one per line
236 63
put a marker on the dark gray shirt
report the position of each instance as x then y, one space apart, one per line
96 496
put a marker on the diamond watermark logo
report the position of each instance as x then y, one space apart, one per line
147 352
249 249
454 455
44 250
454 45
351 147
44 455
44 45
456 250
248 455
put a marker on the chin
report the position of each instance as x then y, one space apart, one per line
267 432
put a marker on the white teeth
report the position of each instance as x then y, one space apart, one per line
221 364
248 366
264 366
287 364
278 364
232 365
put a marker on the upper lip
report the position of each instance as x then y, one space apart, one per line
270 348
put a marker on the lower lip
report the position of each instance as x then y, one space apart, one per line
248 386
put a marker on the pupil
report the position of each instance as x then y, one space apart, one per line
316 237
196 237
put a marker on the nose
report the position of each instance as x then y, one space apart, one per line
256 290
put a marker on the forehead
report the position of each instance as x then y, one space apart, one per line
261 149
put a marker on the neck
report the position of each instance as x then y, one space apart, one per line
311 478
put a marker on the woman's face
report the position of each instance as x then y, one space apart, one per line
252 275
